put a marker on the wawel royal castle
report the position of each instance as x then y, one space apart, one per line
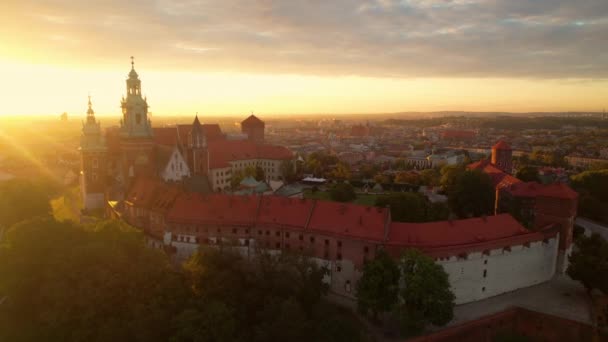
152 178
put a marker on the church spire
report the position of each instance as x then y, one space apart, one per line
90 112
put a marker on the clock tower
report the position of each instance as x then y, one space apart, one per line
92 162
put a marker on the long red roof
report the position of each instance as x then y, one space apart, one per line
179 134
346 220
457 232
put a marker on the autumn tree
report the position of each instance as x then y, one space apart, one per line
528 174
342 192
21 200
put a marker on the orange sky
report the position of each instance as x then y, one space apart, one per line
225 58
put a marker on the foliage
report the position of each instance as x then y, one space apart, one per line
589 262
594 182
450 175
412 207
378 287
288 171
425 297
65 283
22 199
342 192
429 177
528 174
472 194
408 177
318 163
341 172
269 298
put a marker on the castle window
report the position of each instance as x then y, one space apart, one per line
485 273
339 243
278 245
301 237
312 239
339 256
287 235
347 286
326 242
483 289
338 268
138 118
278 233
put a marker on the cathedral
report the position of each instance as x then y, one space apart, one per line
189 154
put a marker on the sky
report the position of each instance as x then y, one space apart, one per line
231 57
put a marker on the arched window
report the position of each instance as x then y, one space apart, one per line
138 118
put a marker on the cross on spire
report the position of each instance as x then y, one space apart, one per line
132 62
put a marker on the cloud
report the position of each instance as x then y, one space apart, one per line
387 38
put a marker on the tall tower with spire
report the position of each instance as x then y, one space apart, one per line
92 162
197 144
135 122
136 132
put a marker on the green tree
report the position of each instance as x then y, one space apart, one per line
405 207
64 283
425 297
342 192
472 195
378 286
450 175
429 177
593 182
528 174
21 200
589 263
288 171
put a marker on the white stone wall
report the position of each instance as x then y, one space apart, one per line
220 178
176 168
481 276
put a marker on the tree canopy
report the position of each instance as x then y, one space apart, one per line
528 174
412 207
472 194
342 192
426 297
589 262
22 199
378 287
64 282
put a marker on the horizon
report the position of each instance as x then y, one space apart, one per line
277 58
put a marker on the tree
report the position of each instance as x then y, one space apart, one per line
429 177
63 282
425 297
405 207
378 286
341 172
589 263
288 171
528 174
449 176
408 177
472 194
342 192
594 182
21 200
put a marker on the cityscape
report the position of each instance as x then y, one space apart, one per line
345 197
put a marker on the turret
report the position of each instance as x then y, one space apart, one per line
135 122
502 156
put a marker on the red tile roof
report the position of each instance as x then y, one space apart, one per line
171 135
214 208
252 120
534 189
223 152
458 232
501 145
457 134
284 211
350 220
141 193
500 179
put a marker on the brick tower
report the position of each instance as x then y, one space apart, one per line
254 128
502 155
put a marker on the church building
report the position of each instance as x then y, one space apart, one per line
201 153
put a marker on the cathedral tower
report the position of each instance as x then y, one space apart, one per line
92 162
136 132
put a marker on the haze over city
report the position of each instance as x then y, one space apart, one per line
298 57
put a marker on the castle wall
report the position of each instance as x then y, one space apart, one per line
480 275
